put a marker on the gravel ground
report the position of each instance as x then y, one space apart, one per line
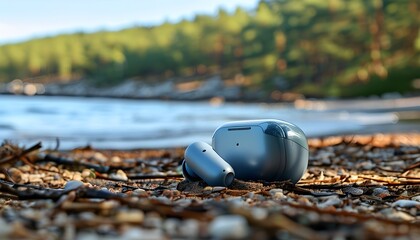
356 187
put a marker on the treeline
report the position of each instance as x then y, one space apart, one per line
317 47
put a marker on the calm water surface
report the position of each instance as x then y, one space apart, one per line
125 123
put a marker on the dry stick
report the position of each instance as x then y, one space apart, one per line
100 176
141 176
5 195
411 177
399 179
388 170
412 166
375 179
65 161
23 153
339 186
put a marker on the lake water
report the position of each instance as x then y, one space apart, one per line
126 123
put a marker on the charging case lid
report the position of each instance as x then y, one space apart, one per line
274 127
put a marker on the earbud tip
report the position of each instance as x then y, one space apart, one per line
229 179
188 173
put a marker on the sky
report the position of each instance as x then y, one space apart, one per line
25 19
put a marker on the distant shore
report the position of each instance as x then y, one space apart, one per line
213 89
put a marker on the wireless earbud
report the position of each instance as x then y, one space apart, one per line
202 162
268 150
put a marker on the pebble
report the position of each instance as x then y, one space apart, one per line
87 216
152 220
189 228
140 192
331 201
115 159
277 193
416 198
133 216
326 160
397 215
77 176
35 178
100 157
250 195
170 226
138 233
406 203
25 178
259 213
381 192
48 178
25 168
236 201
183 202
68 174
119 175
170 193
367 165
15 174
87 173
229 227
72 185
353 191
218 189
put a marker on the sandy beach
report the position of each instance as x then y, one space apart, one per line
358 186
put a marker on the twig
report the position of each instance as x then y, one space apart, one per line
65 161
144 176
412 166
23 153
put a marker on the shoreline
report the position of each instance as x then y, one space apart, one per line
214 88
139 129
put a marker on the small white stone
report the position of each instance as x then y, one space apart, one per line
73 185
277 193
189 228
100 157
218 189
138 233
86 173
183 202
132 216
397 215
406 203
229 226
331 201
259 213
119 175
77 176
170 226
140 192
115 159
416 198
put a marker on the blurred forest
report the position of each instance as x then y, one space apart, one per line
318 48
